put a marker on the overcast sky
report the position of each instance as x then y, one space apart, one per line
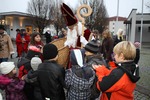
125 6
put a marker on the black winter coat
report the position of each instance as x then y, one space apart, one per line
51 78
32 79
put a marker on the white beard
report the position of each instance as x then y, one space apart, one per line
72 36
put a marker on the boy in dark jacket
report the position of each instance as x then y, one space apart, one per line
51 75
31 78
93 57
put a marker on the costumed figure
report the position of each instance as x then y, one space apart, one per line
74 32
22 41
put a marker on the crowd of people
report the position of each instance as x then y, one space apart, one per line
103 67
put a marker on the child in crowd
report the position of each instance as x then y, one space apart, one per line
92 53
137 45
94 57
79 78
24 63
36 40
12 85
31 78
24 66
119 82
51 76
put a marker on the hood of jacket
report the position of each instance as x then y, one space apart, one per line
131 69
24 61
82 78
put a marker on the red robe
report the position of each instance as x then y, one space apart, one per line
22 47
87 33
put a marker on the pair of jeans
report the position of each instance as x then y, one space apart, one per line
3 60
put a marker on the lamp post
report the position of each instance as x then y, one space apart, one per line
141 26
117 16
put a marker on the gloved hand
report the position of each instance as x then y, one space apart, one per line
83 40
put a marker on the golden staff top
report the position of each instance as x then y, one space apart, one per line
84 15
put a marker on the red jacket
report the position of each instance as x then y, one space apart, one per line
118 83
87 33
22 47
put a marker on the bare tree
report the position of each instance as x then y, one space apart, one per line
41 13
98 18
148 5
58 19
46 12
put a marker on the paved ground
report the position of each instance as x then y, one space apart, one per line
142 91
143 85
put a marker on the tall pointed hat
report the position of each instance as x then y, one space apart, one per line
68 15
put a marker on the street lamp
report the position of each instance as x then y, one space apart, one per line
141 26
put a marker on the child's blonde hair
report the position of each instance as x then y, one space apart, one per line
127 49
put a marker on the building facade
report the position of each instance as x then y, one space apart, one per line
16 20
115 24
133 27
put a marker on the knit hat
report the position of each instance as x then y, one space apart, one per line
137 44
50 51
2 27
6 67
35 61
33 51
92 46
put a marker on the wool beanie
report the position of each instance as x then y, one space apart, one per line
35 61
92 46
33 51
6 67
50 51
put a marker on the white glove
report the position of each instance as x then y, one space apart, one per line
66 44
83 40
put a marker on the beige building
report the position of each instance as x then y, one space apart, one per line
14 20
115 25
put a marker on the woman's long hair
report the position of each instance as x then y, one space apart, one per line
33 35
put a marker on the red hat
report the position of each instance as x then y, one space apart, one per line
68 15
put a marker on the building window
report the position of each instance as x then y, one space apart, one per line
149 29
139 29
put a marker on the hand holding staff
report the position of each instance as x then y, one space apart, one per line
84 15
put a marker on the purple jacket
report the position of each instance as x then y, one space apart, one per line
13 88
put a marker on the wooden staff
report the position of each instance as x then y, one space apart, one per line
84 15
